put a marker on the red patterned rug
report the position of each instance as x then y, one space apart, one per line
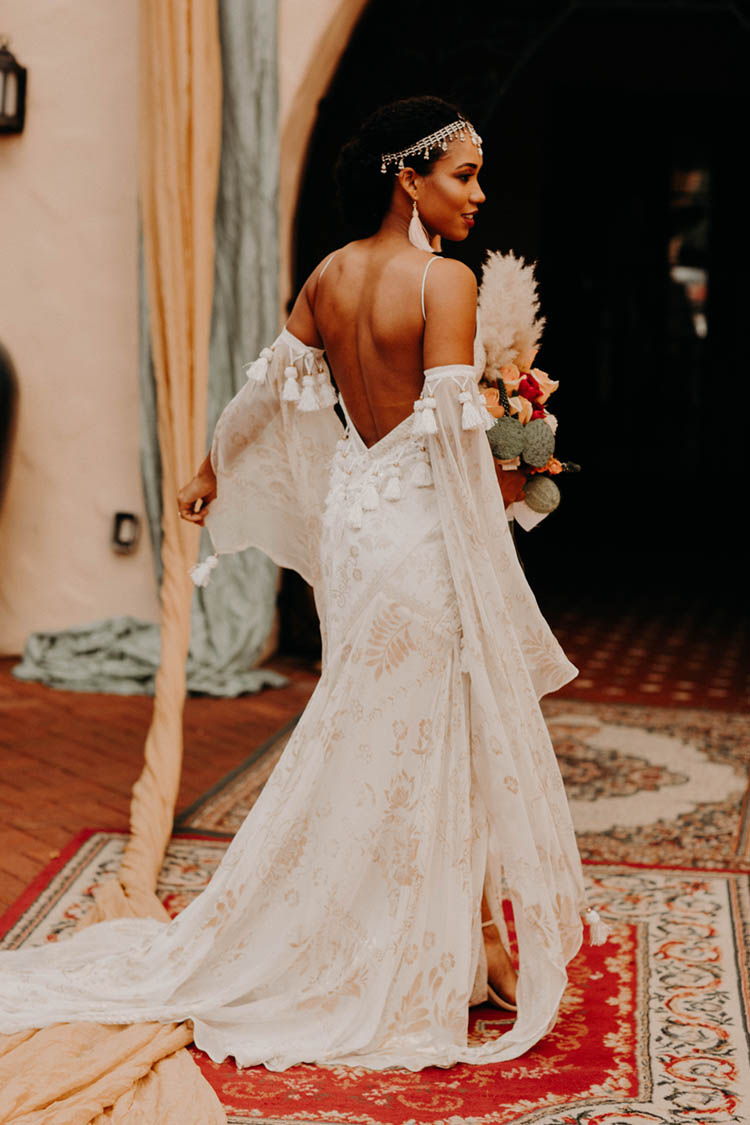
653 1025
651 1028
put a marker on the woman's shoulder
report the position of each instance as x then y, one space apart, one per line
450 290
452 274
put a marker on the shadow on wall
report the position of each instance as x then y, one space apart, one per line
8 416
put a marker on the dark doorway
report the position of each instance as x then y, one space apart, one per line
612 139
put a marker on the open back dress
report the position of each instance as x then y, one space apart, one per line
343 924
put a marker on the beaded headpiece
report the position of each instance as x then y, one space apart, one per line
426 144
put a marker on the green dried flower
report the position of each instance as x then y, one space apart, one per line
542 494
507 438
539 443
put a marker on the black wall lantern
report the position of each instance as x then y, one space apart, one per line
12 91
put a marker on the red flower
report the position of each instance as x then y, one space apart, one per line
538 412
529 388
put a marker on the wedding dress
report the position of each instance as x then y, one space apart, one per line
343 925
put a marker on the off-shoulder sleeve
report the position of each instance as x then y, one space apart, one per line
271 452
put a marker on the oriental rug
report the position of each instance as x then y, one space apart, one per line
651 1028
653 1025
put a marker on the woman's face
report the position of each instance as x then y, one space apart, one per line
448 197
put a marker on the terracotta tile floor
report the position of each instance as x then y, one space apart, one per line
68 760
669 654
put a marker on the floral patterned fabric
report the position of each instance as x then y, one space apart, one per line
343 924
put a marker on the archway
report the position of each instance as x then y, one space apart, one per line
610 145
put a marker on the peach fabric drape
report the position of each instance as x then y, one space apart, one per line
73 1073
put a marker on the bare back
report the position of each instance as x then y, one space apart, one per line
365 305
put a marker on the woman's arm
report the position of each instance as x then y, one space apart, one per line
301 322
451 315
193 499
451 307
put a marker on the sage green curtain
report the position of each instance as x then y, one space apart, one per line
233 615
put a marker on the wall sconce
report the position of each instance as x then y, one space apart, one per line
12 91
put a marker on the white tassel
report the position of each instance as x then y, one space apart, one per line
291 386
598 929
258 369
326 393
370 498
470 416
424 417
430 425
392 489
201 572
354 518
422 476
417 233
489 421
308 398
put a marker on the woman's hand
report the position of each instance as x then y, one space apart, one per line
194 498
512 483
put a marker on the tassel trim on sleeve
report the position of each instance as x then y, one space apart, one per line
201 571
598 928
424 416
316 391
471 419
258 369
291 384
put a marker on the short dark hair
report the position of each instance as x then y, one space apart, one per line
363 192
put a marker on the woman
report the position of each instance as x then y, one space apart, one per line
346 921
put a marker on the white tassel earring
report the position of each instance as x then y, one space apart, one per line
417 233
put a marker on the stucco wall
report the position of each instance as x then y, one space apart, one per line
312 39
68 295
68 316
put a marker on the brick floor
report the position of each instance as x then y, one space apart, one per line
68 760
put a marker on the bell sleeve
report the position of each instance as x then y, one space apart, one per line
474 518
271 453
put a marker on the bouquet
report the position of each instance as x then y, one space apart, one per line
516 392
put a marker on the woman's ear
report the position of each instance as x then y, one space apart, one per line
409 181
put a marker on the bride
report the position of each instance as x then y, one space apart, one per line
358 913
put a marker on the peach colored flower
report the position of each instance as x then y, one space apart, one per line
546 385
492 401
511 376
522 408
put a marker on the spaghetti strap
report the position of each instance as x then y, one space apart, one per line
424 278
325 267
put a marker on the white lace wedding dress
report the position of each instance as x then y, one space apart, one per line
343 924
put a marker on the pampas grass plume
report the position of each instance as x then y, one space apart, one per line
509 310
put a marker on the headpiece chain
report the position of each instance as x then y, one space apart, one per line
426 144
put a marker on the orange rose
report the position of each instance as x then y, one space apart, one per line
511 376
553 467
492 401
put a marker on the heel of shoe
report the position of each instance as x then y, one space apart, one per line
499 1001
